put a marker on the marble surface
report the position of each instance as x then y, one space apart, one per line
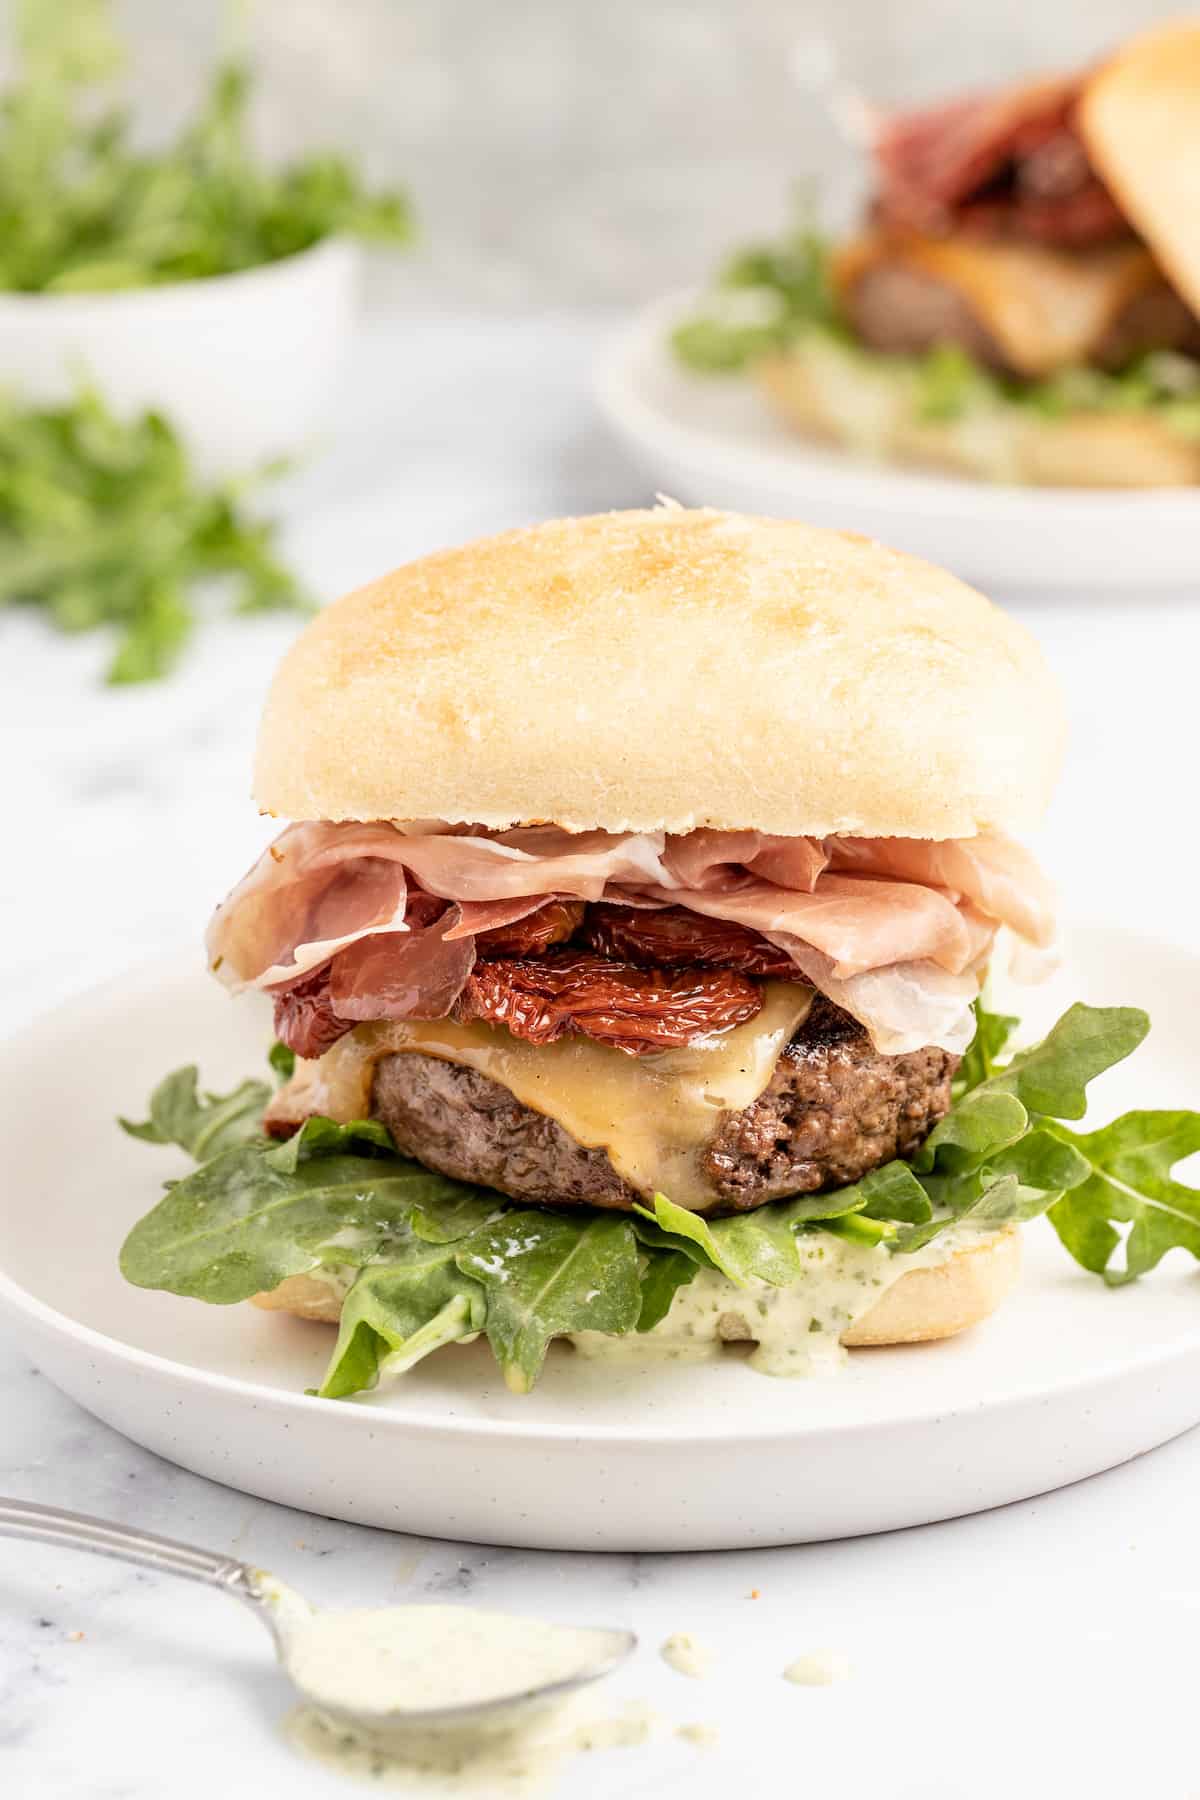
1048 1647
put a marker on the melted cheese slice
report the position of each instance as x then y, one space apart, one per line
652 1115
1044 308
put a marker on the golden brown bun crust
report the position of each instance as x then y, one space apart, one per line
938 1302
1140 119
304 1297
923 1305
827 399
661 671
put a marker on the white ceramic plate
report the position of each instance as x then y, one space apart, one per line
713 441
243 365
1067 1380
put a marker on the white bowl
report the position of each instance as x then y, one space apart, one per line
242 365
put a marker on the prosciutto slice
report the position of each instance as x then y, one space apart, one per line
400 975
998 876
537 860
903 1007
317 888
893 930
1006 164
473 916
713 859
857 922
321 886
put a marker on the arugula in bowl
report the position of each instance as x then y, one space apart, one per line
84 210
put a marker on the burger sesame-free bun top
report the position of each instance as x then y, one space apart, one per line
665 670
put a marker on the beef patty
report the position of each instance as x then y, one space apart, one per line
902 311
833 1109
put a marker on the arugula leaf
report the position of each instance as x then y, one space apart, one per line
892 1192
676 1223
862 1230
1008 1184
399 1311
992 1032
999 1203
83 210
985 1119
665 1273
282 1060
247 1219
546 1275
447 1218
991 1160
202 1124
319 1137
1042 1162
104 524
755 1246
1128 1181
761 298
1052 1077
950 384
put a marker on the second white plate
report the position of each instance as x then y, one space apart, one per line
713 441
1068 1379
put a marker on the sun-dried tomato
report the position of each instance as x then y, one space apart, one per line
304 1017
674 937
551 924
633 1009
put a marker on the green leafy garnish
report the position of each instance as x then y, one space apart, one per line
1052 1077
753 1246
993 1159
240 1225
992 1032
204 1125
104 523
426 1261
761 299
400 1311
83 210
664 1275
950 384
1128 1182
546 1275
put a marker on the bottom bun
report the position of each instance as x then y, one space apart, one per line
868 402
926 1303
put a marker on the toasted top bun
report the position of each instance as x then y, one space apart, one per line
661 671
1140 119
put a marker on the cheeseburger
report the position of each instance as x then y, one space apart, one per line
624 945
1021 302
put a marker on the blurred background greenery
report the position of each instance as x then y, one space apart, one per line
561 150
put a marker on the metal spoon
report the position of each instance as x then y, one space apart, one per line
284 1612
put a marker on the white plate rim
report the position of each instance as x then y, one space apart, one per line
625 406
